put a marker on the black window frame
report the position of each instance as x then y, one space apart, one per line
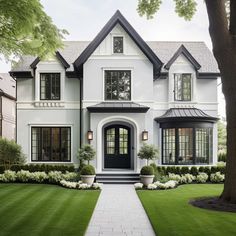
113 44
40 159
118 88
50 98
182 99
195 158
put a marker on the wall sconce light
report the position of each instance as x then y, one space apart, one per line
90 135
145 135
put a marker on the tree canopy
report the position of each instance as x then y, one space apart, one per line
26 29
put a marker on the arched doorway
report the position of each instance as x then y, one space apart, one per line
118 146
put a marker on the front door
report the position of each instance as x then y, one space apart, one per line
117 147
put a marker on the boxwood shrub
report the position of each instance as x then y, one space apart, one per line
40 167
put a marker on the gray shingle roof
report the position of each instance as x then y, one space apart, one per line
185 114
164 51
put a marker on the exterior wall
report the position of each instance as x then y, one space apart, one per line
33 112
8 118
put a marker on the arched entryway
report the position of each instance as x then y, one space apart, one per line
118 146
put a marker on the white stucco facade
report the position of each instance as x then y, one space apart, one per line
157 95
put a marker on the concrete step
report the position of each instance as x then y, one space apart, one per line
117 178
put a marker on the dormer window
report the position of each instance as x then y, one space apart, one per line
118 44
182 87
50 86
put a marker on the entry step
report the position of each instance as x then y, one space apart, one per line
117 178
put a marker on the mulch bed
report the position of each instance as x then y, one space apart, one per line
213 203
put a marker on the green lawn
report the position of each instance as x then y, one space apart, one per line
37 209
171 214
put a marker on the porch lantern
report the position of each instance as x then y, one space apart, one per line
90 135
144 135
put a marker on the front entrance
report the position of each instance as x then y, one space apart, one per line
117 148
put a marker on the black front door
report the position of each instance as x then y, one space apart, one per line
117 147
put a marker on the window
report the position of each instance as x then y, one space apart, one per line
117 85
118 44
50 86
203 145
182 87
186 146
51 144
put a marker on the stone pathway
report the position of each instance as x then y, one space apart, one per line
119 212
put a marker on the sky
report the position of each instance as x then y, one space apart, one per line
83 19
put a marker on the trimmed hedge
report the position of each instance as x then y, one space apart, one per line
40 167
181 170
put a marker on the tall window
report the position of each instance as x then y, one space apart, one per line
118 44
186 146
117 85
182 88
51 144
50 86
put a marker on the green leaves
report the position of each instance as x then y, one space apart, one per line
26 29
184 8
148 7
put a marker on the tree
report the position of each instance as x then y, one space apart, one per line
222 29
25 29
148 152
86 153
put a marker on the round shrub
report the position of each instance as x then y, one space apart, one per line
88 170
147 170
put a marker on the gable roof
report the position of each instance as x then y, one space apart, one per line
57 55
182 50
118 18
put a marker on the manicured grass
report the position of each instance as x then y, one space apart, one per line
37 209
171 214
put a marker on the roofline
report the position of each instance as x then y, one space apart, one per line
183 50
118 18
2 93
186 119
21 74
208 75
94 109
58 56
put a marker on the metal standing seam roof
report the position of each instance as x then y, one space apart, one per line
185 114
118 107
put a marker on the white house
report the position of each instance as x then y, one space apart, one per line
119 89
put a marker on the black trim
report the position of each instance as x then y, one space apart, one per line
58 56
118 18
187 124
118 109
207 75
21 74
50 86
176 128
182 50
72 74
51 137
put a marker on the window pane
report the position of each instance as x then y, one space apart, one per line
182 83
50 144
110 141
117 44
50 86
117 85
203 145
185 146
168 140
123 141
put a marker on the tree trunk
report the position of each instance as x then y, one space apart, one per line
224 49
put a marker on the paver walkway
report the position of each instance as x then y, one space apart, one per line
119 212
